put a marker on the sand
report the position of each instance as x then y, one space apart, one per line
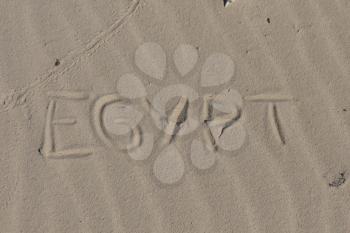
136 116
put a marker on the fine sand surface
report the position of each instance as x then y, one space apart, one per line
159 116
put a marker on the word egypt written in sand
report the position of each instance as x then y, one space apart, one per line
119 121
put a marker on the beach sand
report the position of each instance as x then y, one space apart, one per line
159 116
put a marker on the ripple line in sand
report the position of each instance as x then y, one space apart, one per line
280 71
16 97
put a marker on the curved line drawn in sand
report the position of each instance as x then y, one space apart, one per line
272 99
176 118
103 128
275 123
17 97
180 120
219 120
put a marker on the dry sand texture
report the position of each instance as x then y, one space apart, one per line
137 116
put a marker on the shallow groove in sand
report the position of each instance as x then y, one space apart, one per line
326 216
15 98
